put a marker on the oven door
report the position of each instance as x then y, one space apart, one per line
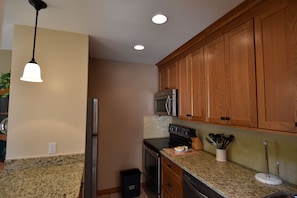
152 171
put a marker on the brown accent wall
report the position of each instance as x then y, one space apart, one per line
125 91
5 61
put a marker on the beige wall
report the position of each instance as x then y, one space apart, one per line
5 61
248 148
125 91
52 111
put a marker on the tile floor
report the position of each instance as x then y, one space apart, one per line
118 195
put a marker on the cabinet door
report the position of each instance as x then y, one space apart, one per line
173 76
240 76
163 78
215 80
276 55
198 79
172 174
184 92
165 194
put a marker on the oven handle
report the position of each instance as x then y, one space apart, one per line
153 153
188 182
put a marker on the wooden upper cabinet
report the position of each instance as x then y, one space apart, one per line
163 78
214 60
173 76
168 77
198 84
230 78
184 91
276 55
191 86
241 96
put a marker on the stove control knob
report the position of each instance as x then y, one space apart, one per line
186 133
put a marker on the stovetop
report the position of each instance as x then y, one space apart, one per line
157 144
178 136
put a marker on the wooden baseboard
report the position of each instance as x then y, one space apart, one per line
108 191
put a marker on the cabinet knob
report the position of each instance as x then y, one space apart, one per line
169 185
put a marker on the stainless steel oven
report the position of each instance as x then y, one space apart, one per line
178 136
152 171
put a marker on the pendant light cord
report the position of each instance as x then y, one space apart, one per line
33 55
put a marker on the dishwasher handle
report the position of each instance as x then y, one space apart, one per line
188 183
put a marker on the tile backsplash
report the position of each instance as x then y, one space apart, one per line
156 126
248 148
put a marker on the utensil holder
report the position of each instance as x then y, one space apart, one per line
196 144
221 155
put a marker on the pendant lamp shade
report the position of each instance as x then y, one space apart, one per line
32 70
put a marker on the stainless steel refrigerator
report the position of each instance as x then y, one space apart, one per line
91 155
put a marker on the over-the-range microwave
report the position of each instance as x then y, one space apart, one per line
166 102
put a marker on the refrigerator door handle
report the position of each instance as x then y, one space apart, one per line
95 116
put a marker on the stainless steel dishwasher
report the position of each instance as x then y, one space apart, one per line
193 188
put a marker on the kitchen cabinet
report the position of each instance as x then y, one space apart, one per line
214 60
276 55
191 86
184 92
249 61
198 80
168 77
230 78
172 179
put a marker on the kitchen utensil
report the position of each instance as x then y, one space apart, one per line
211 141
220 141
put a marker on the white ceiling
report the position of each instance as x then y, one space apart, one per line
115 26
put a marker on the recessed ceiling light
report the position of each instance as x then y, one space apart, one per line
139 47
159 19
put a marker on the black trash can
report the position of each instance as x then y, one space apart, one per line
130 180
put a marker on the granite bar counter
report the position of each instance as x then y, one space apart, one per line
46 177
226 178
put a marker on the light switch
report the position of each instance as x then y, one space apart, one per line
52 147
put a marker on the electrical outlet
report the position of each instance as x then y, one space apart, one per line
52 148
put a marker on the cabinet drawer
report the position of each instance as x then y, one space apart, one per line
171 166
171 183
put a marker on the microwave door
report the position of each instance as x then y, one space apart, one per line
168 105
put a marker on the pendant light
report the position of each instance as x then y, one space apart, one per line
32 70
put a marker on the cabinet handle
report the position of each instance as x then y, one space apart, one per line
295 124
189 115
169 166
223 118
227 118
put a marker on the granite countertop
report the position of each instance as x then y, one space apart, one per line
58 176
226 178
